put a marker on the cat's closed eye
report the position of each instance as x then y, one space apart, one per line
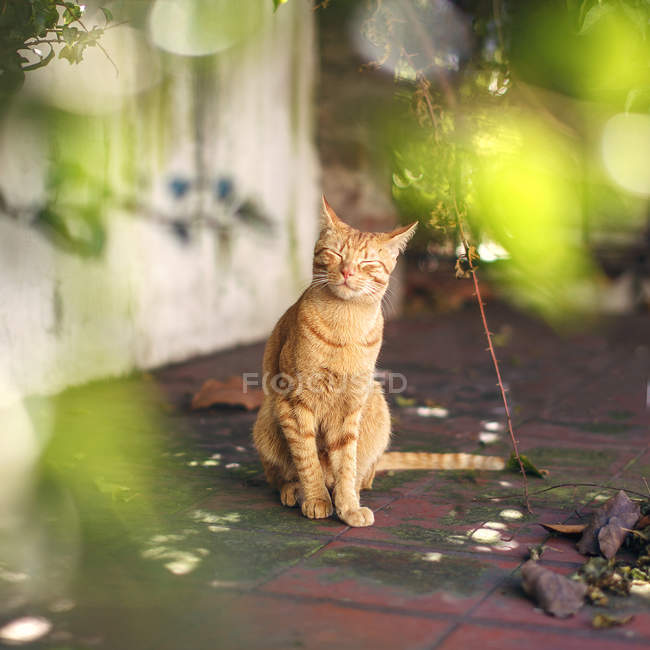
327 255
373 265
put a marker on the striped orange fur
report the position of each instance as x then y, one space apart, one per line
424 460
322 432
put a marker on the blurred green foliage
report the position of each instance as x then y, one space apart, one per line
102 442
504 131
32 32
28 31
593 50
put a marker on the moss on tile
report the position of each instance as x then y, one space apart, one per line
546 457
385 481
409 571
225 554
476 513
426 536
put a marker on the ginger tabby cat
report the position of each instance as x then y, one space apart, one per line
324 424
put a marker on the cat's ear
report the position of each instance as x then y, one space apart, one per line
398 239
328 218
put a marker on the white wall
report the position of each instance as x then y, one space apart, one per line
149 298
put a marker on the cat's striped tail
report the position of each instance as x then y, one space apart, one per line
426 460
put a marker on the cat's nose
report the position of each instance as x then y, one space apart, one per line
346 272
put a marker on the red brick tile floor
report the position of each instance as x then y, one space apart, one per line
179 543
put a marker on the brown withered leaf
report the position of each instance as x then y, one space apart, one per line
643 522
605 532
565 529
229 392
554 593
611 536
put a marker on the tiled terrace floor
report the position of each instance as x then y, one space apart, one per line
182 545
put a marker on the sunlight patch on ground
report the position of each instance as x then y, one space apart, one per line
183 564
492 425
12 576
179 562
218 529
486 535
488 438
432 557
25 630
206 517
511 514
432 411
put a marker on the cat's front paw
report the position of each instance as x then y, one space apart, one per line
317 508
357 517
289 494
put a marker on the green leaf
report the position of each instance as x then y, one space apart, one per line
70 34
71 13
593 16
44 19
277 3
74 53
107 14
513 465
90 38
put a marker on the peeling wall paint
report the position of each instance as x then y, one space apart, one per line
228 139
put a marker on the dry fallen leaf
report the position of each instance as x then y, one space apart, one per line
606 530
230 392
554 593
565 529
643 522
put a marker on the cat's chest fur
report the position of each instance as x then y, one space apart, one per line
344 341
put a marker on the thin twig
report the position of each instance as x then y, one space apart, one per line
562 485
452 102
101 47
488 335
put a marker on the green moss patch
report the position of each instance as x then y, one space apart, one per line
409 571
